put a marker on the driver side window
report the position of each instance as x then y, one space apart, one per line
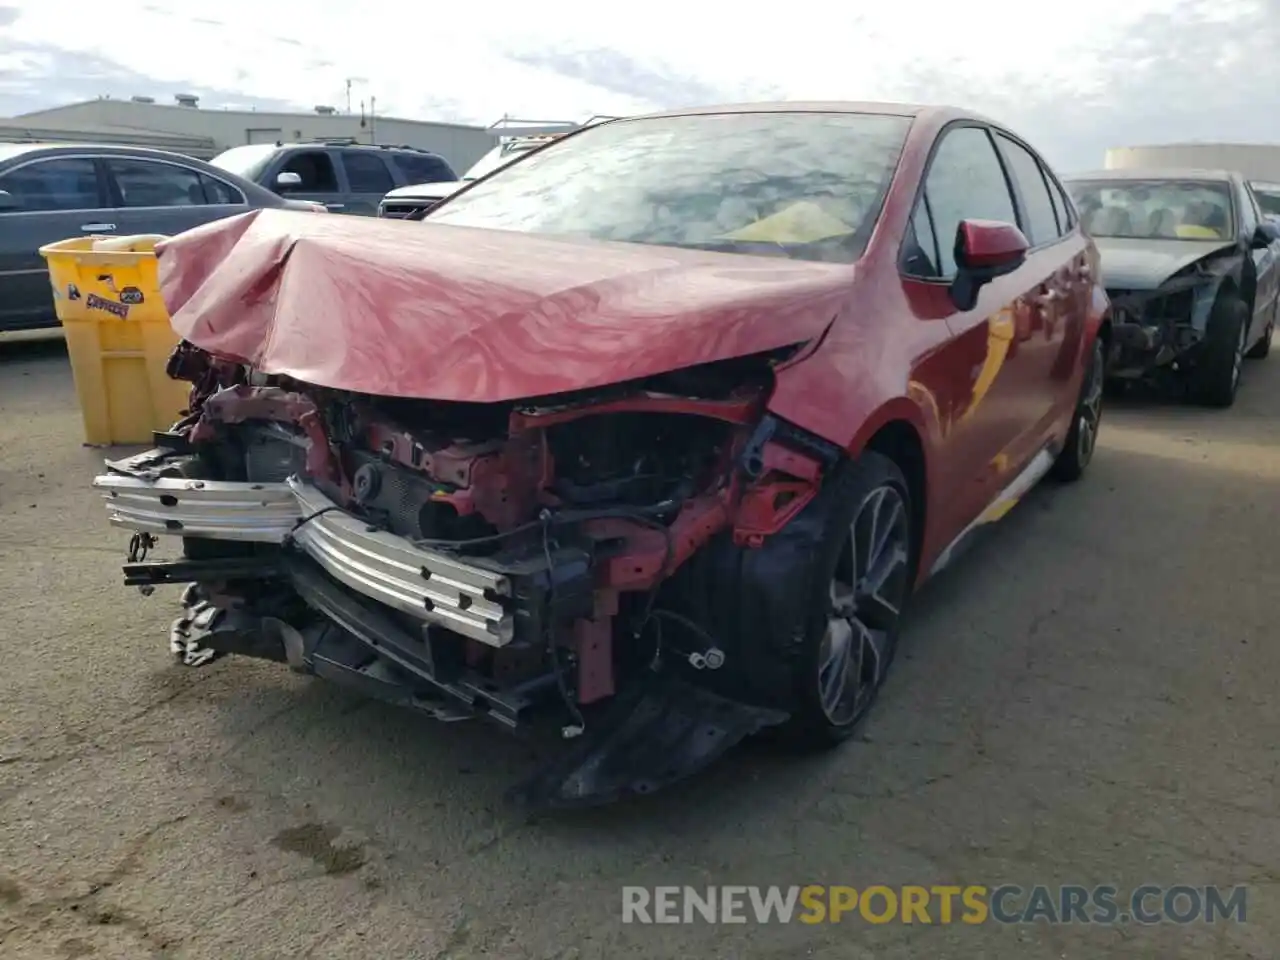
315 168
966 181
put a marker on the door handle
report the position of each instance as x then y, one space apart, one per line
97 227
335 206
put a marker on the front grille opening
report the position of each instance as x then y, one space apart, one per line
406 209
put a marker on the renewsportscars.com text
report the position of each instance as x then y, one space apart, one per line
973 904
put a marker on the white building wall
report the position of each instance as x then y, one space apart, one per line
1254 160
460 145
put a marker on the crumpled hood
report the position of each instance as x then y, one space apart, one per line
1141 264
441 312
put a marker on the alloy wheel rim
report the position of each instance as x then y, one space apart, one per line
866 599
1090 412
1238 360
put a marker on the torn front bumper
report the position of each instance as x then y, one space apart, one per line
1153 330
430 586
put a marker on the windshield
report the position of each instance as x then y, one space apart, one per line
1268 196
1156 209
803 185
247 161
499 156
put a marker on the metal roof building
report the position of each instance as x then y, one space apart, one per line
1256 161
187 128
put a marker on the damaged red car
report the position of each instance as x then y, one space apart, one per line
649 436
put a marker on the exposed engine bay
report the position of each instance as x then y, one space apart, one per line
513 561
1158 327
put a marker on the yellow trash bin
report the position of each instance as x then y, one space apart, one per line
118 334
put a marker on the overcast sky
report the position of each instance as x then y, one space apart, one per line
1073 78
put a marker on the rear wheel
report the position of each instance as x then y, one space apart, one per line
1263 346
1215 379
1082 439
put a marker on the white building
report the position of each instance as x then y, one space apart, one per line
1256 161
187 128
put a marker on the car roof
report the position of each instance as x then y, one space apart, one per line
345 145
9 151
937 113
1155 173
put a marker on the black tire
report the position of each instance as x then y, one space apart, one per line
1215 379
1082 438
1263 347
774 606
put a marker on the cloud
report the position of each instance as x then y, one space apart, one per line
1108 74
618 73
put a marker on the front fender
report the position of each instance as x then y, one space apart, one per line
846 407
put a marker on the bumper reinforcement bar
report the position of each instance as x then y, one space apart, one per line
426 584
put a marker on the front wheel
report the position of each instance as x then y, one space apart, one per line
813 616
1215 379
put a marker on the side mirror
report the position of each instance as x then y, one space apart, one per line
1264 236
288 180
8 201
984 250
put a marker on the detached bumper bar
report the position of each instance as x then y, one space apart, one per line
428 585
247 512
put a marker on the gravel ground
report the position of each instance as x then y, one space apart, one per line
1087 698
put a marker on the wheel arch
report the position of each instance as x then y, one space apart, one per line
900 440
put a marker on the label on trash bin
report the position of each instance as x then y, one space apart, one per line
95 302
131 295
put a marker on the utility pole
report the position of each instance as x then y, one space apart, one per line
373 109
348 95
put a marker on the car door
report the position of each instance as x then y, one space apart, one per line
369 179
1266 263
1050 340
52 199
998 416
164 196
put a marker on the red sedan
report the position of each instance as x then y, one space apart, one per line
653 432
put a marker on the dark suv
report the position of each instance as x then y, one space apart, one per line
346 176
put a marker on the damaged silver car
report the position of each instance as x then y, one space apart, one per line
1192 267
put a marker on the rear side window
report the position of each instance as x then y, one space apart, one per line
1062 200
58 184
423 168
366 172
1040 219
965 182
146 183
